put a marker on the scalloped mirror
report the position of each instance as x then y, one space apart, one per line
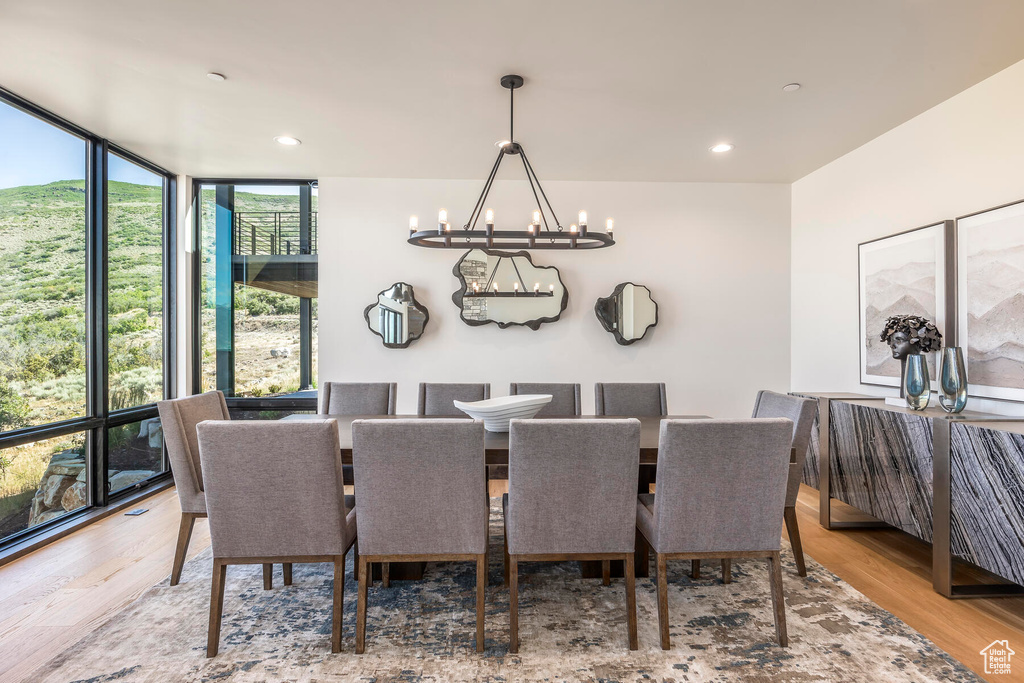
628 313
506 288
397 318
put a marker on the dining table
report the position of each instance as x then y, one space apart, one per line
496 453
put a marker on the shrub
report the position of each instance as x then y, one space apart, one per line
13 408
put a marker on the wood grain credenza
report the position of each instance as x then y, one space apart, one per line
954 481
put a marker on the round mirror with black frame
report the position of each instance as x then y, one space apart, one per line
506 288
397 318
628 313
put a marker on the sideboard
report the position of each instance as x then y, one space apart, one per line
954 481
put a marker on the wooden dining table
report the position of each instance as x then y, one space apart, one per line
496 450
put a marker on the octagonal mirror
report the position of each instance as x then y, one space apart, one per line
397 318
628 313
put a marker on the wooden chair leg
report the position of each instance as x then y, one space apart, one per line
778 598
513 605
286 569
481 589
794 540
642 555
505 569
385 574
216 608
606 572
339 601
726 571
694 569
630 572
188 520
268 576
661 571
364 583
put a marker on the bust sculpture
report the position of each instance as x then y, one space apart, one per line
909 335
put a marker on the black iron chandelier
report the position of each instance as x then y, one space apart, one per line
539 234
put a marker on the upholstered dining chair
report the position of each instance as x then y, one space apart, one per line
274 494
593 515
178 419
721 491
420 497
632 399
358 398
565 398
436 399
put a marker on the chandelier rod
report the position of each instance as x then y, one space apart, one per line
535 197
471 223
487 287
530 170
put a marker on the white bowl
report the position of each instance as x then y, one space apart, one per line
496 412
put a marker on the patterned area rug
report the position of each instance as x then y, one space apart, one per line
570 629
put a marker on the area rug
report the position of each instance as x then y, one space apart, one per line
571 629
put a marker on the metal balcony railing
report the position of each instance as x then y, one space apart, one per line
273 233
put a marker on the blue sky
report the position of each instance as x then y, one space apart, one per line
33 152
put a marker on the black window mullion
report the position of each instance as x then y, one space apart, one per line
97 389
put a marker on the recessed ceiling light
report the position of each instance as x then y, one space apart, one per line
214 76
287 140
790 87
722 147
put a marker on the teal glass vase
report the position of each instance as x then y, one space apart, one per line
953 380
917 385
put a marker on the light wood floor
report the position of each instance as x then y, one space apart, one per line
54 596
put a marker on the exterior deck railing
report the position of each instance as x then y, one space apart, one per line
273 233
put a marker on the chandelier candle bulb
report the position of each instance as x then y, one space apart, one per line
536 217
583 223
414 225
536 287
515 287
608 226
442 218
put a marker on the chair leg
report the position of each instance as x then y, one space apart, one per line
606 572
726 571
286 569
385 574
216 608
188 520
794 540
268 576
364 583
642 555
513 605
630 572
661 570
694 569
339 600
505 569
481 590
778 598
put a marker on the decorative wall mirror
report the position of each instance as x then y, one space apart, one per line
628 313
397 318
506 288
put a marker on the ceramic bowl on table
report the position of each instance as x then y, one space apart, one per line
496 412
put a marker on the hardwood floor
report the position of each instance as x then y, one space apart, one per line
54 596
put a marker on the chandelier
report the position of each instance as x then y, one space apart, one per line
540 233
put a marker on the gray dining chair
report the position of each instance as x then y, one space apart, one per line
801 412
436 399
721 491
593 515
274 494
565 398
632 399
358 398
178 419
420 497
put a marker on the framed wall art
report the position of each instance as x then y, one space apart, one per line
990 291
904 274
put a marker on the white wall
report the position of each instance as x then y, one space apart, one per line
962 156
716 257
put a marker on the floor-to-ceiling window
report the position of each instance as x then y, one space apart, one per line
257 292
84 261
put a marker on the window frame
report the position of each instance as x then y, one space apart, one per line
248 404
98 418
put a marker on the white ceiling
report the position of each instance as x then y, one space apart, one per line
407 88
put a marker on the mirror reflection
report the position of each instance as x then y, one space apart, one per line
628 313
397 318
506 288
